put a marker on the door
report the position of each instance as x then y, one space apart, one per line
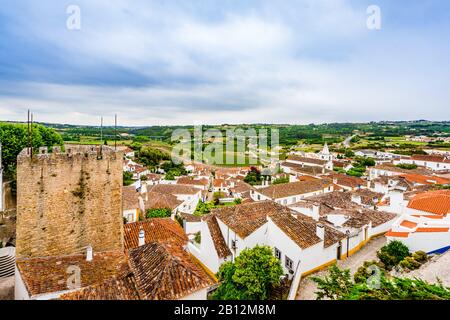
339 251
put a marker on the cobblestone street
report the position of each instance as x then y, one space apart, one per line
368 252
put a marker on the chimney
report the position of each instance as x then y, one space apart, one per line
141 237
335 181
368 184
89 253
315 212
320 231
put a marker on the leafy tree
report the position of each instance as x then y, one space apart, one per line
349 153
253 177
364 272
127 178
407 166
334 286
253 273
158 213
152 157
281 180
392 253
337 285
14 138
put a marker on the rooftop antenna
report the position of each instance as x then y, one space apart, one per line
101 129
31 135
28 132
115 132
101 136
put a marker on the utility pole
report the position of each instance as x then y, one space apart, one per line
115 132
28 132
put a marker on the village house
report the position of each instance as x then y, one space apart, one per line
340 211
425 223
132 206
189 195
302 244
431 162
288 193
200 183
389 169
158 268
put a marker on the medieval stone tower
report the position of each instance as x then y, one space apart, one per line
68 201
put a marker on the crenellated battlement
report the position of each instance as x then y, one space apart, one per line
70 151
69 199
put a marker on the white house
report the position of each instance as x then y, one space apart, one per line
302 244
190 196
425 223
432 162
289 193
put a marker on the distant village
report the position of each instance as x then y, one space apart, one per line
81 234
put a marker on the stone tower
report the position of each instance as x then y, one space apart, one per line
68 201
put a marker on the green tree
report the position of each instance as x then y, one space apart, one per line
14 138
253 273
158 213
392 253
337 285
253 177
127 178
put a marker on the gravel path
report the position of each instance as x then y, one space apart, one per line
437 268
368 252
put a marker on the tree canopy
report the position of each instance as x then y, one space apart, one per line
14 138
250 277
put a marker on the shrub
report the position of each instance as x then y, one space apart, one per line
410 263
363 272
158 213
420 256
392 253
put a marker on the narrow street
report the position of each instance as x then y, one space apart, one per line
308 287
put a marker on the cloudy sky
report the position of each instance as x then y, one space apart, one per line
197 61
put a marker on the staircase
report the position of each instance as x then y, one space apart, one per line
7 262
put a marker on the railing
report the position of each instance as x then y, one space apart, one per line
295 283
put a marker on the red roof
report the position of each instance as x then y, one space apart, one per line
437 202
391 233
432 229
408 224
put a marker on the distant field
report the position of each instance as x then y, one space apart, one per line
98 142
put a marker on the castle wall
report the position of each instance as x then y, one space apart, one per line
67 201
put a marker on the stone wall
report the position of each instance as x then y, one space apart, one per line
67 201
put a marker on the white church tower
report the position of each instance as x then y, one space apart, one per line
325 153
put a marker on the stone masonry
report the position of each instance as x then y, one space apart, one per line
68 201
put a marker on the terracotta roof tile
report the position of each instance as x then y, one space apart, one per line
157 200
156 229
432 229
437 202
306 160
114 289
301 231
49 274
165 271
219 242
174 189
408 224
397 234
130 198
294 188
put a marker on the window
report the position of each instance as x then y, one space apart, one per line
285 201
289 263
278 254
